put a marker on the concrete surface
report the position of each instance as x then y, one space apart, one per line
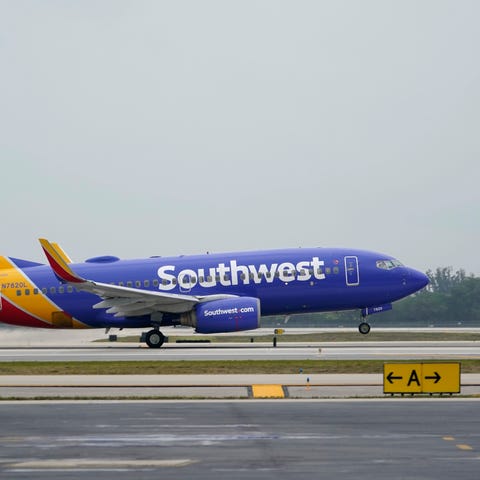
266 440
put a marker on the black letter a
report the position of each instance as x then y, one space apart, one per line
413 378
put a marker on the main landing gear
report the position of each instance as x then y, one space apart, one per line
155 338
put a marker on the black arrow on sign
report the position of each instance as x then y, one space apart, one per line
390 377
437 377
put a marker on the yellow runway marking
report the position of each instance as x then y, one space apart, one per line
268 391
463 446
448 438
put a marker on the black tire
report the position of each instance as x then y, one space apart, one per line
155 339
364 328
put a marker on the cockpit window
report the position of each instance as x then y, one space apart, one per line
388 264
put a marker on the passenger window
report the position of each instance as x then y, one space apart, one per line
226 277
61 289
146 283
155 282
53 290
138 283
200 279
44 291
174 281
328 270
242 276
19 292
69 289
336 269
120 284
27 291
35 291
129 284
209 278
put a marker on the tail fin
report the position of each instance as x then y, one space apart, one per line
59 262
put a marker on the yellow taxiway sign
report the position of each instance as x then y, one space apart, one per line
422 377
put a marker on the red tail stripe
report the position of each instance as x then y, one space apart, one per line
14 316
60 271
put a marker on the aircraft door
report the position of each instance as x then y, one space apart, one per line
352 275
0 297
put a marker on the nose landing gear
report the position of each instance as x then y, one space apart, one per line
364 328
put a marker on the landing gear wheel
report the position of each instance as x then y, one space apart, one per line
364 328
155 339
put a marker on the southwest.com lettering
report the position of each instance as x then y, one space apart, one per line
227 311
228 274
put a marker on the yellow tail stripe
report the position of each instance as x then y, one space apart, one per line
54 254
268 391
58 263
61 252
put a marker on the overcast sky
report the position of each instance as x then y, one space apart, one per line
167 127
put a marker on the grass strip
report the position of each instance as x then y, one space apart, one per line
211 367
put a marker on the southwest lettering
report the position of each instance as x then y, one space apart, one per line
231 274
287 272
237 270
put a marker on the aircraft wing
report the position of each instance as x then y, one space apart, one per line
123 301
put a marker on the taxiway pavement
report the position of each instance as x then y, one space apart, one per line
302 385
393 438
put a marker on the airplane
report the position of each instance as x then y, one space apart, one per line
213 293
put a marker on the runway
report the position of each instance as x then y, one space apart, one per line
248 351
395 439
24 344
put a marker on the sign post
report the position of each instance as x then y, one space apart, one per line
422 377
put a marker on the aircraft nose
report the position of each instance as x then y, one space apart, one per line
417 280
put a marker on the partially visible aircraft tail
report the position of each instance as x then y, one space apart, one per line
6 263
59 261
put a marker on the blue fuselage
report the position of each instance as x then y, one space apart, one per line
285 281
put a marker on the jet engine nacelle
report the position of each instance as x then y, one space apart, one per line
228 315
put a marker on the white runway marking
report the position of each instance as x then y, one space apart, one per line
94 464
